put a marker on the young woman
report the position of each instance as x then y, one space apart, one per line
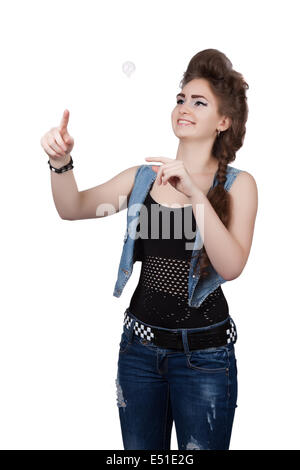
190 221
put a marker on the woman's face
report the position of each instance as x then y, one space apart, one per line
199 106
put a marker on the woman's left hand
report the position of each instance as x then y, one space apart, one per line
174 172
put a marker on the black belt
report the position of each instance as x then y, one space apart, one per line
210 338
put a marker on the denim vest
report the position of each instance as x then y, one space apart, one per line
198 289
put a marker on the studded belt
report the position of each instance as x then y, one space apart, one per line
219 335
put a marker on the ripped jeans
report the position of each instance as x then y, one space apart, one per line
197 389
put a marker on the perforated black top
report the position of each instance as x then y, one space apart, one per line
160 298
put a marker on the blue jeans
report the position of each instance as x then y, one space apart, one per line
196 389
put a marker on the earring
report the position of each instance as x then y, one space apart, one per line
219 132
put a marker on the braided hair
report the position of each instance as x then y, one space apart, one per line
229 87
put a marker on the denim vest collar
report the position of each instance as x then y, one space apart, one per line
198 288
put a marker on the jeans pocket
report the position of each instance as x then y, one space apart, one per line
124 343
212 361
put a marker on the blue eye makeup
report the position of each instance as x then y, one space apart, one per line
201 102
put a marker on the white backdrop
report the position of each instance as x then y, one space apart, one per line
60 324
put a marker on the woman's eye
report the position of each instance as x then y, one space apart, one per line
204 104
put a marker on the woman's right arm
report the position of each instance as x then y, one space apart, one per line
102 200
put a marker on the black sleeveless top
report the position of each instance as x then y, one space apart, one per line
166 242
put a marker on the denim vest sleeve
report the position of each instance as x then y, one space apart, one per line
199 289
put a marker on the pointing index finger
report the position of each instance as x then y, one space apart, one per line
159 159
64 121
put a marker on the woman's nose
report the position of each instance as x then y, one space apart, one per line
184 108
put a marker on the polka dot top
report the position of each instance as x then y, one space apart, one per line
161 297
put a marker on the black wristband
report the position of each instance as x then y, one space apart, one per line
64 168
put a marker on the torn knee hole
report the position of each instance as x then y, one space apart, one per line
120 398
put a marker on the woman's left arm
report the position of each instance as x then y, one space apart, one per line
228 248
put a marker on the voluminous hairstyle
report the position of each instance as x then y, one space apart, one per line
229 88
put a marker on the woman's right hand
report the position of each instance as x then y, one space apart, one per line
57 143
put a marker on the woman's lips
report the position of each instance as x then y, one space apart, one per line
184 123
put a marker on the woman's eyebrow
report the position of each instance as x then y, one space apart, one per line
193 96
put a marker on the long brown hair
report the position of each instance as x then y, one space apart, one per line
229 87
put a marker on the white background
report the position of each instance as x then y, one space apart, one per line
60 324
